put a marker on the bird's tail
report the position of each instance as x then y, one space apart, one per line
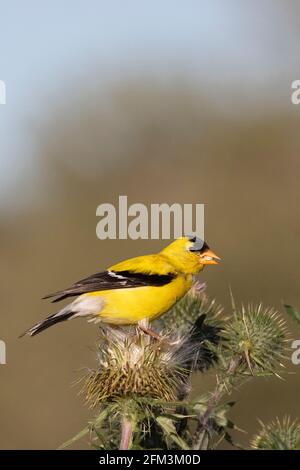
62 315
84 306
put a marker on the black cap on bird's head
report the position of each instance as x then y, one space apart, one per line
200 247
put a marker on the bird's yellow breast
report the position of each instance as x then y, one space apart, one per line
127 306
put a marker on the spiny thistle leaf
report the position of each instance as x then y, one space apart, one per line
278 435
91 426
78 436
216 426
170 432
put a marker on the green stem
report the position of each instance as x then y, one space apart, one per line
202 432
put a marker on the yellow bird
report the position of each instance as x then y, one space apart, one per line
137 289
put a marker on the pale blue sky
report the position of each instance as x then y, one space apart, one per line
45 45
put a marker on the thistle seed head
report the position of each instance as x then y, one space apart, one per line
189 309
257 336
135 366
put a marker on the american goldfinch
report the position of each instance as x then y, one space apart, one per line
134 290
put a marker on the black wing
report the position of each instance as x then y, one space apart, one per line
106 280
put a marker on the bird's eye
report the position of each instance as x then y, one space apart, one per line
199 246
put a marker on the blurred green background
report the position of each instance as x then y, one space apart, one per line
162 103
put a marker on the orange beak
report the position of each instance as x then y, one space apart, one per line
209 257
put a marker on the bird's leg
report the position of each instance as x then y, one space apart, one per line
144 326
150 332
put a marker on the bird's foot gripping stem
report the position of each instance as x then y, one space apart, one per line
150 332
143 325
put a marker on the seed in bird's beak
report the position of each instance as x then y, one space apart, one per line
209 257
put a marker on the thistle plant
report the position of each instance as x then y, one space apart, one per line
121 356
140 387
256 337
278 435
